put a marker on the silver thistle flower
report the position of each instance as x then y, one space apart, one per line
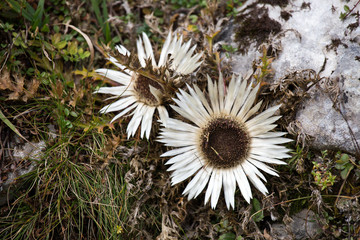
140 95
226 144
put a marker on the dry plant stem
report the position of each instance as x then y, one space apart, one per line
8 53
1 143
88 41
341 188
148 75
353 138
302 198
317 76
351 10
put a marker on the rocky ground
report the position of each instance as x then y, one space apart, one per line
67 173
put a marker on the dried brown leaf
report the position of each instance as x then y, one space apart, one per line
5 82
267 236
153 23
78 95
18 87
31 89
15 82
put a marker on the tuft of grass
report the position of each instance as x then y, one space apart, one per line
36 17
101 13
76 190
68 198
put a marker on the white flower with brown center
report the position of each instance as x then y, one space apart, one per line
227 144
140 95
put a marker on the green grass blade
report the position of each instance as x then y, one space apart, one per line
14 5
106 25
10 125
95 6
101 18
38 14
27 12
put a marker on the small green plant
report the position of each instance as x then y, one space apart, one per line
143 28
348 11
297 160
322 172
61 9
231 6
344 164
229 49
344 14
225 230
193 18
223 226
73 53
256 211
264 68
65 118
127 18
7 27
68 50
230 236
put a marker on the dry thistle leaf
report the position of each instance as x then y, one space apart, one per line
14 83
78 95
18 87
31 89
5 82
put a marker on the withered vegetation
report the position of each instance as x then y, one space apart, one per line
91 182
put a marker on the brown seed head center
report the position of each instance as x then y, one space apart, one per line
225 143
142 89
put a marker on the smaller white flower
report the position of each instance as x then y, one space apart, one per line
139 95
226 145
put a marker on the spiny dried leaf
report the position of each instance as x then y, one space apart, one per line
153 23
78 94
18 87
31 89
5 82
14 83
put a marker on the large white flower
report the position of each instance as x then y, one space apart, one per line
227 144
140 95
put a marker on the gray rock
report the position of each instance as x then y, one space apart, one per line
280 232
331 124
311 36
28 150
303 225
